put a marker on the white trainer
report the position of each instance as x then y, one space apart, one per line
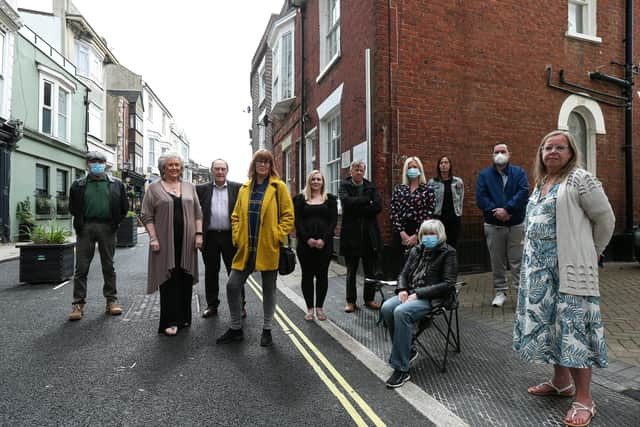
499 300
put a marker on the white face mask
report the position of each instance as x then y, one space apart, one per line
500 159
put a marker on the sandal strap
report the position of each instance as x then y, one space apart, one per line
577 406
556 388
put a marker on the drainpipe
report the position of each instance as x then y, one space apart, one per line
628 117
302 105
367 79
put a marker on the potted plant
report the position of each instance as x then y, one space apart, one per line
25 219
128 231
48 257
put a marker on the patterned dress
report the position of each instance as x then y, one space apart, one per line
553 327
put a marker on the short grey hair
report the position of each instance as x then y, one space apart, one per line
162 160
431 226
358 162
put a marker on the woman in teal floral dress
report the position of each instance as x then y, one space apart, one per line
569 223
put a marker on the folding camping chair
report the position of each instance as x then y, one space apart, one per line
450 330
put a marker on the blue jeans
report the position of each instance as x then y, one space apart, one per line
400 319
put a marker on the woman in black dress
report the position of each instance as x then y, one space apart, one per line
316 213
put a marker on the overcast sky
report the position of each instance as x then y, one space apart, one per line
196 56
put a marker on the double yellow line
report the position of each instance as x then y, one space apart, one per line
336 385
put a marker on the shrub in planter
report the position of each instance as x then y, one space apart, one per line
25 220
49 257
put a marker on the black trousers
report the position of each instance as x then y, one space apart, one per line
217 243
314 263
368 265
175 300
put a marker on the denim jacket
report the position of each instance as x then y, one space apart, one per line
457 193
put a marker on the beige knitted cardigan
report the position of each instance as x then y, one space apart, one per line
157 209
584 225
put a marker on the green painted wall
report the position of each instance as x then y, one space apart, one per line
36 148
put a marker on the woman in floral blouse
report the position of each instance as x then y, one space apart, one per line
412 203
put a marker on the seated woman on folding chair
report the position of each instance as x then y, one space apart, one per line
428 276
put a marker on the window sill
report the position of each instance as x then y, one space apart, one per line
583 37
328 67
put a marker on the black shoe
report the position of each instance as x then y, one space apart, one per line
414 354
398 379
210 312
230 336
265 339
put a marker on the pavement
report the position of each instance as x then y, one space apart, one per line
485 384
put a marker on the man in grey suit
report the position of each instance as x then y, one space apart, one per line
217 200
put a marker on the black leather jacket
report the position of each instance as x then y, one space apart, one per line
442 268
119 202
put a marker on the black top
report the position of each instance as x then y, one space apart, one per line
316 221
178 228
447 203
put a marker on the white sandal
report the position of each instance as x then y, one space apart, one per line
577 407
554 391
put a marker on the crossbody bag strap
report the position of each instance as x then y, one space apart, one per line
278 205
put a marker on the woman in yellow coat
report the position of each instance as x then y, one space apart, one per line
260 222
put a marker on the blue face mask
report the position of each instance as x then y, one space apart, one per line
96 168
430 241
413 173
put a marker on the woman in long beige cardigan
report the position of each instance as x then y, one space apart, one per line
173 218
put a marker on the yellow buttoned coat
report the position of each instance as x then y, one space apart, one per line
273 230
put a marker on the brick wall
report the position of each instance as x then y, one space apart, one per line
467 74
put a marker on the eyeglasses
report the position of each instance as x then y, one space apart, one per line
263 162
558 148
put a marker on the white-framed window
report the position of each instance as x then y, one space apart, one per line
309 153
262 82
583 118
332 127
152 152
261 137
578 128
95 121
581 22
55 108
150 110
329 34
281 42
287 169
164 123
2 39
88 61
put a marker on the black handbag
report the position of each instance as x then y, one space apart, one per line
287 262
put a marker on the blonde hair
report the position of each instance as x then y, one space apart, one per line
307 186
405 180
431 226
263 155
540 170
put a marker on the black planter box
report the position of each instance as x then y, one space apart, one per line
46 263
127 233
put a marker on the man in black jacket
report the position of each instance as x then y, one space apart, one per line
98 203
217 199
359 232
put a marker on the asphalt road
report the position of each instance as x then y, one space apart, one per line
106 370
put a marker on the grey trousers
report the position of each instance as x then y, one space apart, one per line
234 295
505 245
105 237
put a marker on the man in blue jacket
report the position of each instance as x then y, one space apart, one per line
502 192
